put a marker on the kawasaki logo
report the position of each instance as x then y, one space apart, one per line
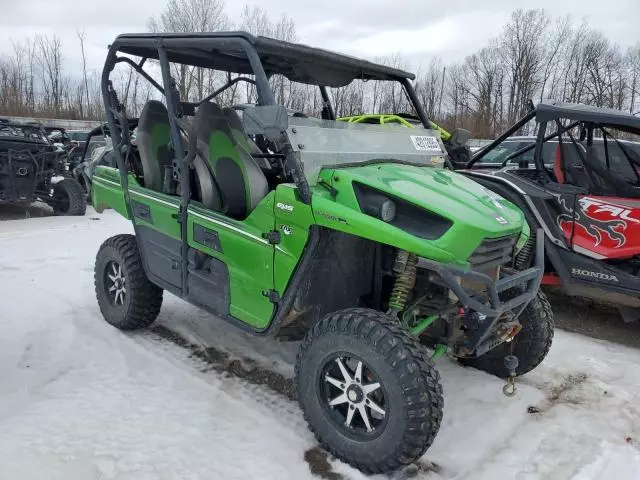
596 275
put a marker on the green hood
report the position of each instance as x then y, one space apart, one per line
475 212
447 193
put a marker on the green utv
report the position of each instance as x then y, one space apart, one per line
338 234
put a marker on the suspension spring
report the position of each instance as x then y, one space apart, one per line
524 256
404 268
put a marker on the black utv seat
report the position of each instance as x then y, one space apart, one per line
154 143
231 169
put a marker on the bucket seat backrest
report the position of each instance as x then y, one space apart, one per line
154 143
208 192
240 135
241 182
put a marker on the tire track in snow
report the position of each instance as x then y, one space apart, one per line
272 392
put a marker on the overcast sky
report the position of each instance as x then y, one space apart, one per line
418 28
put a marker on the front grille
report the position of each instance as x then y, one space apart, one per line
493 252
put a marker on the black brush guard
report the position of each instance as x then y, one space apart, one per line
489 303
22 171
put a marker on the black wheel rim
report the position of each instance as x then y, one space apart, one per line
115 284
353 396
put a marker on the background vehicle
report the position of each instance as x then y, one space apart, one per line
58 137
28 165
495 158
78 137
341 236
580 182
98 150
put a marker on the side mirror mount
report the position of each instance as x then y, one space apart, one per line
460 136
267 120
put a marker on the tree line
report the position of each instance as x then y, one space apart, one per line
535 56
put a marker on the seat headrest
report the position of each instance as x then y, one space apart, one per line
209 118
154 112
154 143
233 119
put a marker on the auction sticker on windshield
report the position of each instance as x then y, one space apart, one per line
423 142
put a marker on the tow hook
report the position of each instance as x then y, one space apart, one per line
510 363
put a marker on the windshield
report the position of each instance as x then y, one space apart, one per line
500 153
95 142
329 142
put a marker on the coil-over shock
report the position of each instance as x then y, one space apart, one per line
404 269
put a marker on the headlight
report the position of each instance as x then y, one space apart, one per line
400 213
380 206
388 211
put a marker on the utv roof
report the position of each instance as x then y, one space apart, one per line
549 110
226 51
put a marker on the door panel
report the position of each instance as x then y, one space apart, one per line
208 281
159 235
161 255
246 255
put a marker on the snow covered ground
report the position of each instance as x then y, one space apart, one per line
81 400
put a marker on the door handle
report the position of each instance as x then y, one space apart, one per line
142 211
208 238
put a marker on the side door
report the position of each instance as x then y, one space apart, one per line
155 216
231 263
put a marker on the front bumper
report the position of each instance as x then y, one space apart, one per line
488 301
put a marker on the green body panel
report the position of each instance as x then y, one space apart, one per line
293 220
476 213
255 266
106 191
248 256
164 209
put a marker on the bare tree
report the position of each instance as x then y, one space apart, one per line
522 51
556 43
50 60
81 37
429 87
633 61
189 16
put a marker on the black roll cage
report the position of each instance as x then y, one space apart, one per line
587 119
196 50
